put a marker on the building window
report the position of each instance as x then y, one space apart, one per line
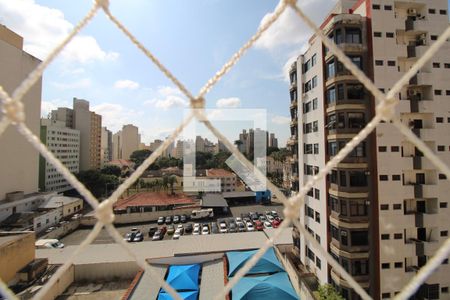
318 263
395 149
317 238
317 194
433 37
443 205
444 289
375 6
386 295
391 63
378 62
389 34
384 206
377 34
360 238
387 7
442 176
439 120
440 148
355 91
447 66
398 265
315 103
447 92
442 11
431 11
385 236
385 265
436 65
398 236
384 178
395 177
444 233
317 217
313 60
353 35
438 92
314 81
382 149
357 178
316 148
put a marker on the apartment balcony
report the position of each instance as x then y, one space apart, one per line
294 104
353 160
423 248
421 79
363 280
293 85
294 122
359 221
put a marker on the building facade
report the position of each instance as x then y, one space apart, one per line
19 158
90 126
106 154
64 143
382 212
125 142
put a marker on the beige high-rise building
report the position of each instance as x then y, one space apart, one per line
125 142
179 149
106 146
383 211
19 160
64 143
90 126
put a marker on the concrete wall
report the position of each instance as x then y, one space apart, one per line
48 219
60 285
71 208
62 230
185 260
16 152
106 271
138 217
16 254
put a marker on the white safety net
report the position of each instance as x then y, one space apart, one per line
13 109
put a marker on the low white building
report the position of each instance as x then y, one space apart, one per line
68 205
45 219
18 202
227 179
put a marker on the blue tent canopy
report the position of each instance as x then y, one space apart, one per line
189 295
184 277
267 264
275 286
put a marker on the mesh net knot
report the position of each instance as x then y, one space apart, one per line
104 212
198 103
103 4
386 109
14 111
292 209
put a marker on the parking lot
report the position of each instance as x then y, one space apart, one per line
76 237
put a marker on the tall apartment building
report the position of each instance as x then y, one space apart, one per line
90 126
19 159
273 141
64 143
106 146
125 142
383 212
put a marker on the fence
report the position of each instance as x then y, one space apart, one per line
14 115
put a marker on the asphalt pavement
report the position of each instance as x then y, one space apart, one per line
76 237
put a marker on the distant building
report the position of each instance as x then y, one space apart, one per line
125 142
64 143
199 144
68 205
273 166
273 141
179 149
19 160
155 144
90 126
18 202
106 146
151 202
227 179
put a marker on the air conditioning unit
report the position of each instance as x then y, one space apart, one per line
412 12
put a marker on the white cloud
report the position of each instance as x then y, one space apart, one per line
48 106
77 84
167 97
289 30
126 84
281 120
43 28
115 115
228 102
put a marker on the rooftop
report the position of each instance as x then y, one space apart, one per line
58 201
238 194
153 199
218 173
8 238
214 200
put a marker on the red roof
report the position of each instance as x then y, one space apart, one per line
152 199
218 173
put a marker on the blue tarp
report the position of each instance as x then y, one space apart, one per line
275 286
190 295
267 264
184 277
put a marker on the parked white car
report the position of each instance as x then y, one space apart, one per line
223 227
250 227
48 244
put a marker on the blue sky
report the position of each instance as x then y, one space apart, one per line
193 39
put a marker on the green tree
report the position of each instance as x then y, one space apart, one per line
139 156
172 180
111 170
98 183
328 292
280 155
165 182
270 150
